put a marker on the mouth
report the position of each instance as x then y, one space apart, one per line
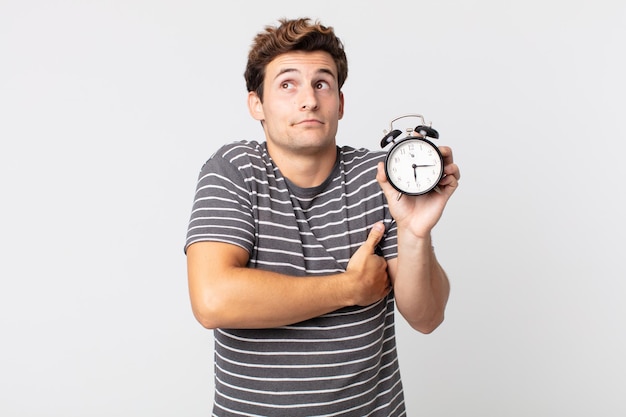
308 122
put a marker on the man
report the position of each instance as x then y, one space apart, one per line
298 250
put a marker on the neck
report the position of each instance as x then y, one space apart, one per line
305 170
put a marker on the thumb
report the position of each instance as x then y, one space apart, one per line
376 234
382 180
381 177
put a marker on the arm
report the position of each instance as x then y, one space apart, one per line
225 293
421 286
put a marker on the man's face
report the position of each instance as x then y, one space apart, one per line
301 102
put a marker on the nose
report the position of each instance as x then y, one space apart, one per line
308 99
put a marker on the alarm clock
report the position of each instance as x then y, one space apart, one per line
413 164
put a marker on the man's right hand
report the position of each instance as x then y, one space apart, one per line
367 271
225 293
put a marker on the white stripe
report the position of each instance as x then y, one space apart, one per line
302 366
304 353
311 379
318 404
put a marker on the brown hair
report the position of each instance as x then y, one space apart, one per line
292 35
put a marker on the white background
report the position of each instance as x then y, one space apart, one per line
109 108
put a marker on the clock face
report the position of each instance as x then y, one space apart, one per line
414 166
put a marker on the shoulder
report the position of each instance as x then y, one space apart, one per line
360 159
237 156
244 149
350 154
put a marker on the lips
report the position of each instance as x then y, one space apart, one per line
309 121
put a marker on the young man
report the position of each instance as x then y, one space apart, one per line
298 250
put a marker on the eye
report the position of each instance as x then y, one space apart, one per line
286 85
322 85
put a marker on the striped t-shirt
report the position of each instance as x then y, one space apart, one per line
340 364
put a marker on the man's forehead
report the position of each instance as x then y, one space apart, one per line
299 61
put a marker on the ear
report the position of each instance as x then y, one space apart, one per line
340 105
255 107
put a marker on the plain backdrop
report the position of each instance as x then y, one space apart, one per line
109 108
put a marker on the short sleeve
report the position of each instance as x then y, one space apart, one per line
221 210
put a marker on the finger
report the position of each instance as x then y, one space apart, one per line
380 173
453 170
446 153
375 236
381 177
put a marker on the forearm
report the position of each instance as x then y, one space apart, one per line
253 298
226 293
421 286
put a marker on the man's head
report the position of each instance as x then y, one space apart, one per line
292 35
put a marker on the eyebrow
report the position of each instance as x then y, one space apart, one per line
319 71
